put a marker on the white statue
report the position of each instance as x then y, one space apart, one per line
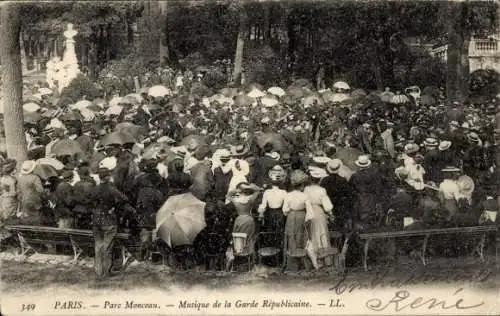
70 62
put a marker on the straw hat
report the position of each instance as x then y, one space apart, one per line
108 163
411 148
473 137
321 160
28 166
363 161
431 142
333 166
451 169
277 173
445 144
401 173
274 155
317 173
298 177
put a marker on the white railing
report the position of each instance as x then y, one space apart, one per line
484 48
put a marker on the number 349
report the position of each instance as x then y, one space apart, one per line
28 307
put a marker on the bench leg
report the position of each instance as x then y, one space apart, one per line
77 251
479 249
25 247
365 254
126 257
424 249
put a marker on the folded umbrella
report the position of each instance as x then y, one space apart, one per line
117 138
66 147
180 219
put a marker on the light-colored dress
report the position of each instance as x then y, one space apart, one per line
321 204
294 208
449 190
9 196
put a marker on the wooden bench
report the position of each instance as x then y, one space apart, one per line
426 233
32 236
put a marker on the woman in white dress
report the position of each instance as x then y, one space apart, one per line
322 208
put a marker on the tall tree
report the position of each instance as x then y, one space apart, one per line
240 43
463 20
12 85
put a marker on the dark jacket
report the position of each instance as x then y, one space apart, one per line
64 199
109 204
221 183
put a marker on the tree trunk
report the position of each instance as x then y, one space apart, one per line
163 31
12 82
457 72
238 56
24 60
267 23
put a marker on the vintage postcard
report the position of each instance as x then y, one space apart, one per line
249 157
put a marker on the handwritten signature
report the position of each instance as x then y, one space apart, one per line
382 279
403 300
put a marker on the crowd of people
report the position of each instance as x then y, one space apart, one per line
290 162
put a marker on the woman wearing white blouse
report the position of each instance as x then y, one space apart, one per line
321 206
271 208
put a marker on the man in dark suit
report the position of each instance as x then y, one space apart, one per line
109 206
340 193
367 184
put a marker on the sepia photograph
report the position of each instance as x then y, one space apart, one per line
250 157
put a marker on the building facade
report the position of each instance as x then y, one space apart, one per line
484 53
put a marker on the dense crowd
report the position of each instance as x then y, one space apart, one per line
294 163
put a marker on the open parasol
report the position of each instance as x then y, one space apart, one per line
56 164
180 219
135 130
45 171
277 91
400 99
117 138
159 91
66 147
277 140
341 85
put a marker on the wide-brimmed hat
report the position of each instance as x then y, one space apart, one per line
317 173
28 166
239 150
223 154
465 185
473 137
320 160
401 172
363 161
274 155
454 123
445 144
179 151
431 142
451 169
298 177
333 166
277 173
411 148
8 166
108 164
